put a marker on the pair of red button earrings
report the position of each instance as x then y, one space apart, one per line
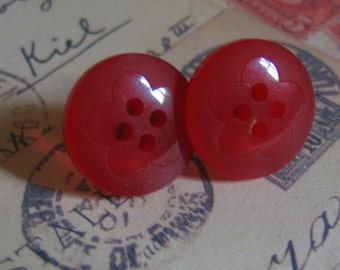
132 122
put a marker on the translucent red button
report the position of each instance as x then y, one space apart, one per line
123 124
249 108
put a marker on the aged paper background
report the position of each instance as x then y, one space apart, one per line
52 218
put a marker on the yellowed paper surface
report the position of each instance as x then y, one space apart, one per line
52 218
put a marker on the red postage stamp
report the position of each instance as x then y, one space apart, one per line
334 30
296 18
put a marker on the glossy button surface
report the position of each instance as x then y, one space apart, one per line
249 108
123 124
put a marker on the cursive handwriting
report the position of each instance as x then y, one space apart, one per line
177 30
33 58
46 5
317 238
3 7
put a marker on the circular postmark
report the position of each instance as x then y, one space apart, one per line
78 226
23 115
325 81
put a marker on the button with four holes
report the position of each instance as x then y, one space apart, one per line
123 124
249 108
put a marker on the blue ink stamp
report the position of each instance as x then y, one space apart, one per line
326 126
24 118
80 225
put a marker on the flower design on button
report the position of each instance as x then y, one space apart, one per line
136 125
256 110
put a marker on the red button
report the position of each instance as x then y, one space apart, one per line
249 108
123 124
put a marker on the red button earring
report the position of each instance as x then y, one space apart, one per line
123 125
249 108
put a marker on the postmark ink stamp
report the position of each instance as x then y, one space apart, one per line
326 126
24 117
82 227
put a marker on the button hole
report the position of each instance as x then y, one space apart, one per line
123 132
259 92
134 107
147 143
158 118
277 109
260 130
242 112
